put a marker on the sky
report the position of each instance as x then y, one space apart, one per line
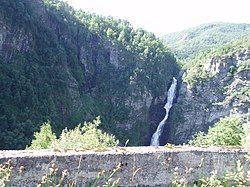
165 16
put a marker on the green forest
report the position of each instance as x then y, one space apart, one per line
62 71
188 43
195 67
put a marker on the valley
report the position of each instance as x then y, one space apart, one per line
92 100
66 66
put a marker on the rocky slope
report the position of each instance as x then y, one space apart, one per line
225 93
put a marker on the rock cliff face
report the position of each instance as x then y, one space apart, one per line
12 41
226 93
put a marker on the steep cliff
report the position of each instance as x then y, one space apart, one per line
68 66
223 89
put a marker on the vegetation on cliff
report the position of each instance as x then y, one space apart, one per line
188 43
215 84
69 66
195 68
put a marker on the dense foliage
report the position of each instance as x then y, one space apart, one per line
44 138
188 43
63 70
195 68
228 131
246 136
86 136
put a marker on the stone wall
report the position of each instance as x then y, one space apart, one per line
134 166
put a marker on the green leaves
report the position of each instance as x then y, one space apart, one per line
87 136
44 138
227 132
195 68
188 43
246 136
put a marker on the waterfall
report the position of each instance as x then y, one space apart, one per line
168 105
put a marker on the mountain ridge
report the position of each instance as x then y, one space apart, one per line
189 42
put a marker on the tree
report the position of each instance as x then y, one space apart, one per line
85 137
110 33
44 138
82 137
246 135
228 131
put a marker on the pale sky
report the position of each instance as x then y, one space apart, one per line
165 16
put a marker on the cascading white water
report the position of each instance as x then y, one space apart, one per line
168 105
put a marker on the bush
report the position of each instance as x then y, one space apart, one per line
228 131
5 173
83 137
243 66
234 178
246 135
44 138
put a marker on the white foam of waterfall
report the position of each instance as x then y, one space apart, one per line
171 94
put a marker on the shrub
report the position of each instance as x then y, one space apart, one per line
228 131
44 138
235 178
5 173
246 135
86 137
245 65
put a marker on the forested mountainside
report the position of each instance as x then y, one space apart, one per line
66 66
69 66
215 85
188 43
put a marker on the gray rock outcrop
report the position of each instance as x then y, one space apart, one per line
225 94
